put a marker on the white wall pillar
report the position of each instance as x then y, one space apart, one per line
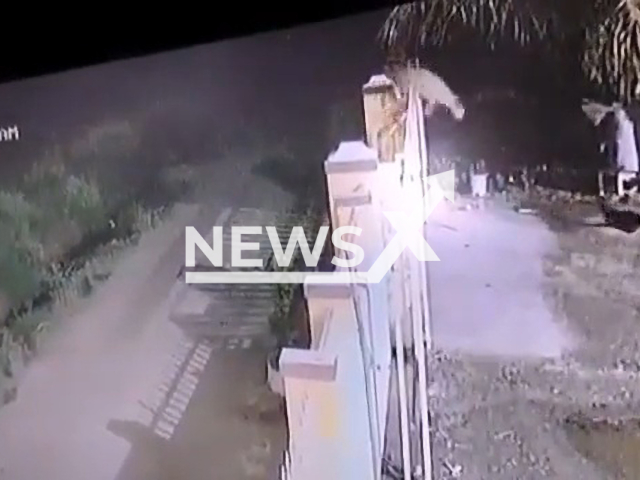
346 436
310 389
357 191
379 99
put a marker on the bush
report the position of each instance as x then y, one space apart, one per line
50 213
44 186
58 217
27 326
22 223
19 280
281 321
84 204
20 247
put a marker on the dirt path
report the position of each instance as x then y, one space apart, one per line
229 432
71 391
114 350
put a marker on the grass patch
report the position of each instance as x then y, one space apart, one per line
282 320
62 229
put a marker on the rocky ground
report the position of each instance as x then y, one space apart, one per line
565 418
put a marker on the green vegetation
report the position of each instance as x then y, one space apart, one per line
282 320
62 229
304 180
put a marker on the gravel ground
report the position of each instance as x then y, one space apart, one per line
503 419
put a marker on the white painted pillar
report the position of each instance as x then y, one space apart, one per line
379 100
310 389
356 191
339 442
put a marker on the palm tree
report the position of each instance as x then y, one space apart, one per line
601 36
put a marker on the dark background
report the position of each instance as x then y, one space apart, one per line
521 107
280 84
77 37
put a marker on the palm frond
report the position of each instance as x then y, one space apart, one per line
434 21
603 34
611 55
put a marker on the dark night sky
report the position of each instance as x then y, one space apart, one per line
280 81
294 70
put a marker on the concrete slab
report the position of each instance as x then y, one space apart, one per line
488 290
241 440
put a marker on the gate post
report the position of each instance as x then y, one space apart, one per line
380 108
349 170
356 191
310 390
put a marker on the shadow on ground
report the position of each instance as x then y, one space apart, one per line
231 431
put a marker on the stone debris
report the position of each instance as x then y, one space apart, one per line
508 419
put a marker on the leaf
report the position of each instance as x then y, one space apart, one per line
603 36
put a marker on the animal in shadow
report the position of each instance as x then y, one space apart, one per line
622 219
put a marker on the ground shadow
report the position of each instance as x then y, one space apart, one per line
611 444
150 456
232 429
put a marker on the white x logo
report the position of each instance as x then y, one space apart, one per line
410 234
409 227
